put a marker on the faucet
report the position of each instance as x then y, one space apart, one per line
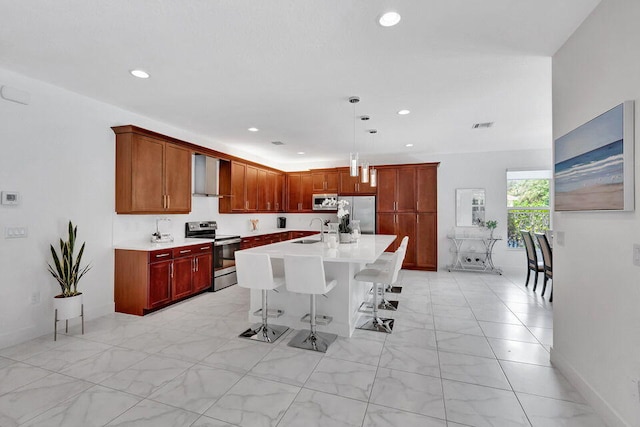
321 228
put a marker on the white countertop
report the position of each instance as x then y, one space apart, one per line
149 246
368 249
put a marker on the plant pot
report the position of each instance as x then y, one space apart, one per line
67 308
345 237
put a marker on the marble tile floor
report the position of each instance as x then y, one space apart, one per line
467 350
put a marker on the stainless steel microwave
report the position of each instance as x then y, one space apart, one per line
325 202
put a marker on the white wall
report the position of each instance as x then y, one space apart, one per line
597 289
59 153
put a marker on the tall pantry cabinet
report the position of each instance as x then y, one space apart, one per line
407 205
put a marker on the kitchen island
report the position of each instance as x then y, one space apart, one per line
342 264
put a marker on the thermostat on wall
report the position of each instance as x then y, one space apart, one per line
10 198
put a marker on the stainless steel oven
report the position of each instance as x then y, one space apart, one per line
224 249
224 261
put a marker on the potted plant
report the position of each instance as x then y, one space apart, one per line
68 272
491 225
343 225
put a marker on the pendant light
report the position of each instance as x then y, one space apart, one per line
364 164
353 156
373 173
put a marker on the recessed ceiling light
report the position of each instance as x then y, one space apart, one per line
301 152
403 112
408 145
141 74
253 129
389 19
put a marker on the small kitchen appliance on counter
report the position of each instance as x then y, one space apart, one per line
224 248
162 234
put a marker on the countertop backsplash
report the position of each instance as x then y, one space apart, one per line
132 228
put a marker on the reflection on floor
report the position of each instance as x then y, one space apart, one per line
467 350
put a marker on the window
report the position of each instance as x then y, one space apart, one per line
527 204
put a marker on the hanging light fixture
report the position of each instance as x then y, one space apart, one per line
373 173
353 156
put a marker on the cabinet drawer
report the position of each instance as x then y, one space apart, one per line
160 255
200 249
185 251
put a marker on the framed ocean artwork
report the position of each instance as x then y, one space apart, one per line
593 164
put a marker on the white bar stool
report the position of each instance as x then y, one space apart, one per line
386 257
386 274
305 275
255 272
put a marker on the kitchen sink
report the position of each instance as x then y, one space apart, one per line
306 241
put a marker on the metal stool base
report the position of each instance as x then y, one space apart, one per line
394 289
260 332
388 305
272 314
320 341
320 319
377 324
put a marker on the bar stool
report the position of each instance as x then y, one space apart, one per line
305 275
386 257
385 275
255 272
384 303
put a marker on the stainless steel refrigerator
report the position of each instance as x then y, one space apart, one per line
363 209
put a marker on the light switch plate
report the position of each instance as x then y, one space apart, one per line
559 238
636 254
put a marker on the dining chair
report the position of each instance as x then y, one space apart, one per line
532 258
547 260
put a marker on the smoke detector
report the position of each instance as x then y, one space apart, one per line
277 142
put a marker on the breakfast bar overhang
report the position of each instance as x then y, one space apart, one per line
341 263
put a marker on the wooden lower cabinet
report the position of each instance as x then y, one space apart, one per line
148 280
422 229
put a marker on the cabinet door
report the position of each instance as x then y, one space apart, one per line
405 190
159 284
279 193
427 241
386 224
294 191
147 175
203 273
238 171
263 193
348 183
427 189
318 182
270 192
331 180
251 188
181 281
386 190
177 179
307 192
406 226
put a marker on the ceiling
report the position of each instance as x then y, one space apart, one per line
288 67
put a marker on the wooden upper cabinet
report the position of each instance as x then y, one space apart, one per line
251 189
406 190
387 184
351 185
324 181
238 177
280 194
427 189
299 192
153 176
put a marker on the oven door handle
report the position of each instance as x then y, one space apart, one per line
227 242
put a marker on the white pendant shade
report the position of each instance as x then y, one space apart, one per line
353 164
373 177
364 177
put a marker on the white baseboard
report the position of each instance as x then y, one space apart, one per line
599 404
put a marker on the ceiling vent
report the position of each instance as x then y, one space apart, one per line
277 142
485 125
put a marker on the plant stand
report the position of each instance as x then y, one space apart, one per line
65 309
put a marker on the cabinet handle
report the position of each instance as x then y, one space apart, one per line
277 206
204 247
162 255
193 264
185 251
417 219
299 206
197 264
268 206
171 268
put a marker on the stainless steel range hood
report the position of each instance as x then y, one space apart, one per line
205 176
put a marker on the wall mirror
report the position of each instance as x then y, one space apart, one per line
469 207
